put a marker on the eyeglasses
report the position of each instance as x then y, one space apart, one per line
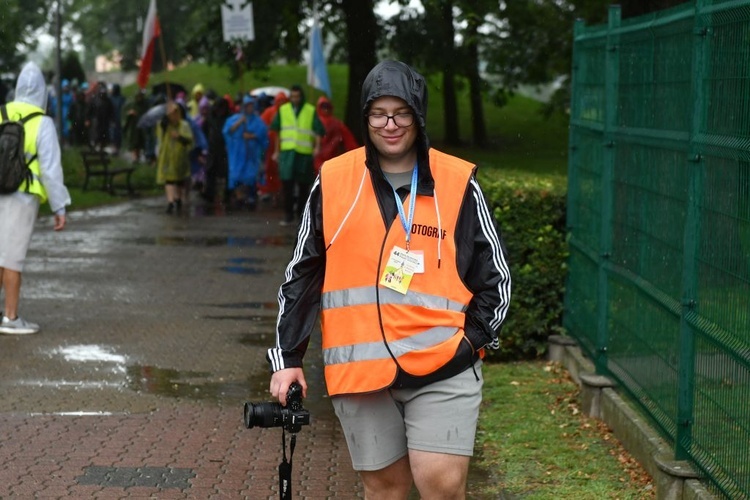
400 119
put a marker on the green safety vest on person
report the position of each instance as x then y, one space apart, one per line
296 131
16 110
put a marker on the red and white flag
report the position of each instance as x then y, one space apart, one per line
151 31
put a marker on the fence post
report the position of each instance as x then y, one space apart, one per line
573 136
691 244
611 86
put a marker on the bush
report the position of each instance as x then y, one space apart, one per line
531 217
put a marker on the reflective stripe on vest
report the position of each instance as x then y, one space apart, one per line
367 295
378 350
296 131
369 331
16 111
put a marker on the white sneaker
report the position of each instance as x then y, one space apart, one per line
18 326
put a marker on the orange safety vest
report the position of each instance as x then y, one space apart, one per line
368 328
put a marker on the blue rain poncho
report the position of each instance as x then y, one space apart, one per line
245 154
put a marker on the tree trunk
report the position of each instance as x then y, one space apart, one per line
475 82
450 106
362 32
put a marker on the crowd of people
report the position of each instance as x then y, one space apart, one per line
240 150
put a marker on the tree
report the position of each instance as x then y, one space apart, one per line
192 30
473 14
408 33
18 23
361 32
446 40
71 68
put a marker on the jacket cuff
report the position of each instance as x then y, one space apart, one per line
476 334
280 360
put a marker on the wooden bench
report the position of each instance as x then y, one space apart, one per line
97 164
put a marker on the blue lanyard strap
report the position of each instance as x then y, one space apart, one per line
412 200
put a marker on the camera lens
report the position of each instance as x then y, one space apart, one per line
263 415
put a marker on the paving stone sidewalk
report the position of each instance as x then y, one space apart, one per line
154 330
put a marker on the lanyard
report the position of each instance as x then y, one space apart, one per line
412 200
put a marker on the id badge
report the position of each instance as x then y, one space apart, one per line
400 269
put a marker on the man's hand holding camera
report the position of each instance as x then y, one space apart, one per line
282 379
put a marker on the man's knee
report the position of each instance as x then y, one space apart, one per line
392 482
439 475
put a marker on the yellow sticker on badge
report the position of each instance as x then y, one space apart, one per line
399 270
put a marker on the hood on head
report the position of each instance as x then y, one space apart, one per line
396 79
30 86
198 88
248 99
280 99
204 103
324 101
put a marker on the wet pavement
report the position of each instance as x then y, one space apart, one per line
154 332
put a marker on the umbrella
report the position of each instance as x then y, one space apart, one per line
272 91
153 116
174 89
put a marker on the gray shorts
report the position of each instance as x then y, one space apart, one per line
18 213
441 417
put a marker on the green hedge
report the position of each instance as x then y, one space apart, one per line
531 217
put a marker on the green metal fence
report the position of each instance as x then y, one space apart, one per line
658 291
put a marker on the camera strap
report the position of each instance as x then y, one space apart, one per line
285 467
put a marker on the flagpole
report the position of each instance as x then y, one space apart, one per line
310 53
164 64
240 63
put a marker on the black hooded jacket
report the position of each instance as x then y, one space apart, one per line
481 256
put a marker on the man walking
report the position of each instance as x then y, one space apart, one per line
18 210
299 131
398 250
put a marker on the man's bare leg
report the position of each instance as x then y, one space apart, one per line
391 483
439 476
10 281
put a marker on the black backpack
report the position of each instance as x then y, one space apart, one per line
14 169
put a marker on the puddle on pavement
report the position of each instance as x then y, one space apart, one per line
246 260
183 384
258 339
243 270
89 352
272 306
259 321
215 241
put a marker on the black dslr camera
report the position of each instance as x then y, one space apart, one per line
291 417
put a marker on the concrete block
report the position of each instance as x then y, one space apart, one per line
556 347
671 476
591 393
696 490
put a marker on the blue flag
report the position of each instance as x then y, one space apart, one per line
317 71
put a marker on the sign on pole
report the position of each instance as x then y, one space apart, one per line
237 20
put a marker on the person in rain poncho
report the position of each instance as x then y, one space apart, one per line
338 139
174 142
247 139
193 105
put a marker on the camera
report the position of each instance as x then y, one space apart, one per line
291 417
